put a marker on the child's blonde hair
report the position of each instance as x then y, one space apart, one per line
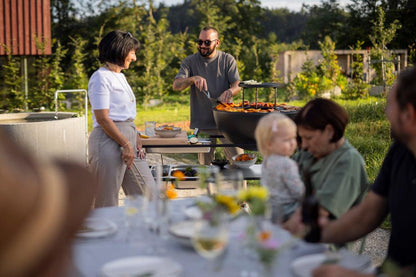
267 127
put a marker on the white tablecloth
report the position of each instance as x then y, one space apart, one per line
91 254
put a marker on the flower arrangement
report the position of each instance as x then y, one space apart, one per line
267 248
219 206
256 198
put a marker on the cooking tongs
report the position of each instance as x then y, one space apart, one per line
214 102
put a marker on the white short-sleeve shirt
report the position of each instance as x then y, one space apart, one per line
108 90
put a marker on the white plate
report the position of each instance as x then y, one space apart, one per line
142 266
183 232
96 228
303 266
193 212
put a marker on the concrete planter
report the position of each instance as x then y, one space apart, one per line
46 136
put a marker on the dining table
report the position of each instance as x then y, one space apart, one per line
91 254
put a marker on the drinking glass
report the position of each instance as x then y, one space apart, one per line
149 128
231 182
210 239
135 207
209 178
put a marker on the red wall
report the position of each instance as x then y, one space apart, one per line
21 21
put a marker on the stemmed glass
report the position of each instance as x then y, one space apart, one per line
157 214
210 238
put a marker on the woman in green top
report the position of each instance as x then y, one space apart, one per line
334 167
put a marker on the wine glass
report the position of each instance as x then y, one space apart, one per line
210 239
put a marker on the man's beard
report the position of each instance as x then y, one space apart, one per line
398 134
209 52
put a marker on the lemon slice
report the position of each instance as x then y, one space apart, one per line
193 140
143 136
131 211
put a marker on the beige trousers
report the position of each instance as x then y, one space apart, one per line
112 173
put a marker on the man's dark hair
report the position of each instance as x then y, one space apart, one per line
115 47
318 113
207 28
406 88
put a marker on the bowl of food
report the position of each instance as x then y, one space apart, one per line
167 131
245 160
221 163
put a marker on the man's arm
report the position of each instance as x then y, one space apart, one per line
235 89
183 83
227 95
358 221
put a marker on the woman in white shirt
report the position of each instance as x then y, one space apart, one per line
114 141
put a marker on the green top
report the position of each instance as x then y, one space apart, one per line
339 179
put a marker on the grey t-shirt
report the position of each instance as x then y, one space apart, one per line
220 72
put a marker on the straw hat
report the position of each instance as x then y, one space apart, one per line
43 204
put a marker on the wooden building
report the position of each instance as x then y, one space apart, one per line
22 23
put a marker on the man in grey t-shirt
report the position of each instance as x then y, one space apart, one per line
214 71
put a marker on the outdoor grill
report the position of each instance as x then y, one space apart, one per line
239 127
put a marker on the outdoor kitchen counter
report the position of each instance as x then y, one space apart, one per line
178 144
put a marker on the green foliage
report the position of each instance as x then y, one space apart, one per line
326 19
367 117
314 80
307 83
77 77
357 87
12 96
383 60
412 54
49 76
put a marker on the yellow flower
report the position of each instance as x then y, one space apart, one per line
170 191
254 192
171 194
229 202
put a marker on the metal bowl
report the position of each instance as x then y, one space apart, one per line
167 131
245 164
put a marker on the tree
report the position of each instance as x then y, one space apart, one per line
382 59
325 20
12 96
49 76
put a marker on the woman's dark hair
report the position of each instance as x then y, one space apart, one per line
115 47
406 88
318 113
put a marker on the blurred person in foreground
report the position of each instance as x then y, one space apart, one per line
213 71
326 160
114 144
393 192
43 205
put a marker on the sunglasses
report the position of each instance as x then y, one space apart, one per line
206 42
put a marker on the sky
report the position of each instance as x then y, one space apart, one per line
293 5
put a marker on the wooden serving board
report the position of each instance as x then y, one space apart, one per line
181 138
